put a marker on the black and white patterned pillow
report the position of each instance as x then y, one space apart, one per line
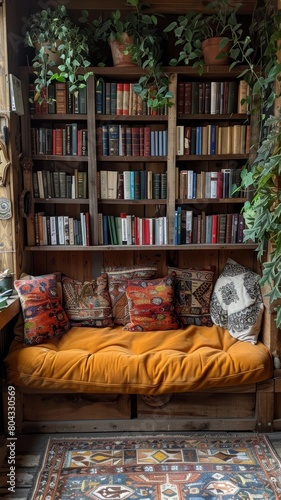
236 302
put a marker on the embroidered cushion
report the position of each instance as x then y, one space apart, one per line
151 304
88 303
193 290
236 303
117 284
43 314
19 326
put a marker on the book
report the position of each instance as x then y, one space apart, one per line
60 90
16 95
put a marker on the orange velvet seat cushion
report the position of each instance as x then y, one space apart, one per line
108 360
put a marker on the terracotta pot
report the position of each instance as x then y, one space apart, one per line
117 50
210 49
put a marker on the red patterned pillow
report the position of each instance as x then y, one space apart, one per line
193 290
117 283
43 314
151 304
88 303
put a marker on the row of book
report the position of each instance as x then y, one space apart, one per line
58 100
122 140
62 229
119 98
213 139
132 230
50 184
191 227
217 184
68 139
132 185
212 97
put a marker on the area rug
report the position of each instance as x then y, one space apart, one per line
170 467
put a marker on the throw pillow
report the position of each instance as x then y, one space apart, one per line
43 314
193 290
117 283
19 325
88 303
236 303
151 304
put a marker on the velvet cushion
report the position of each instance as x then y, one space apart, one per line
43 314
193 290
151 304
236 303
117 284
88 303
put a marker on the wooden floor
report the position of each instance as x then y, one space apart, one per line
29 449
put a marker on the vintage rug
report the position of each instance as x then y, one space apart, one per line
164 467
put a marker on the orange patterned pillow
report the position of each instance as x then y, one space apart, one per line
151 304
43 314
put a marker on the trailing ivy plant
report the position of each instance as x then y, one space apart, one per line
262 177
263 213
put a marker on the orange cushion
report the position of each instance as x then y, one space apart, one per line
108 360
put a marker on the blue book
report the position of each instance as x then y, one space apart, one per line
165 142
100 97
176 228
198 147
152 142
132 185
213 140
105 229
105 146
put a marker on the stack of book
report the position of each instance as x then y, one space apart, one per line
223 183
132 185
132 230
191 226
127 140
58 100
65 139
60 184
62 229
119 98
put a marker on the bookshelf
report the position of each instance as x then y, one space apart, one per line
142 184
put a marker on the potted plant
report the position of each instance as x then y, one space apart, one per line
57 41
139 42
196 33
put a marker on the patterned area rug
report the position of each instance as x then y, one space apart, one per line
161 467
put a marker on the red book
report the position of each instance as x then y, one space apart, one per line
136 231
57 141
119 99
135 141
214 228
219 184
145 231
181 97
126 98
141 132
146 151
187 97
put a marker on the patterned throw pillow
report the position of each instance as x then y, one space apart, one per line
43 314
193 290
236 303
88 303
117 284
151 304
19 326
